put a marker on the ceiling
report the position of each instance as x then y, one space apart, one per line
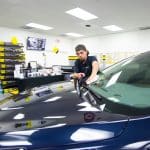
127 14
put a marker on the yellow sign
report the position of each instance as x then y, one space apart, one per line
55 50
14 40
73 57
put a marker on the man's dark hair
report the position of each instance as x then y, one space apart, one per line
80 47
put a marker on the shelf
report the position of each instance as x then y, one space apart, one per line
10 55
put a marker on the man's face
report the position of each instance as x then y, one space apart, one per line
82 54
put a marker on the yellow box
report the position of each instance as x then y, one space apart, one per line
6 90
2 77
1 60
1 54
4 82
1 42
14 91
3 66
3 71
1 48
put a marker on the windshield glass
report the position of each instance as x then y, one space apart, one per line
127 83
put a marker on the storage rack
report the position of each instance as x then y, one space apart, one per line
10 55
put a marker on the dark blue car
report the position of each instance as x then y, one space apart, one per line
112 113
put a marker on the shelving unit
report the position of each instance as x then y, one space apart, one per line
10 55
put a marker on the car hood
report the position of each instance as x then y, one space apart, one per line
62 119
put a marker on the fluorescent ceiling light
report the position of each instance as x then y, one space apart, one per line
112 28
82 14
74 34
39 26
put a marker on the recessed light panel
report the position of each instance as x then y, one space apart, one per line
81 14
112 28
38 26
74 34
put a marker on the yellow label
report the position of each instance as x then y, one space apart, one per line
29 124
60 88
6 90
2 77
3 66
4 82
73 57
27 99
3 71
14 91
1 42
1 60
1 48
104 57
1 54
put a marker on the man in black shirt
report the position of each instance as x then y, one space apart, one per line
86 66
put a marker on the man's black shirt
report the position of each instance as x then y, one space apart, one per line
84 66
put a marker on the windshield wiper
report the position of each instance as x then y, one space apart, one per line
90 97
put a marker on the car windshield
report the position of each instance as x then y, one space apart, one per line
126 85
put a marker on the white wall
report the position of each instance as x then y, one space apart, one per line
64 44
116 46
129 41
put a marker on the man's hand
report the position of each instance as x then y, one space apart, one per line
81 75
77 75
92 79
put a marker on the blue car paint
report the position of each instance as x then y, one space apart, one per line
61 136
125 132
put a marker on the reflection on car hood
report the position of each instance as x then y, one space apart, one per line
64 115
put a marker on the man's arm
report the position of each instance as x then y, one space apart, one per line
95 69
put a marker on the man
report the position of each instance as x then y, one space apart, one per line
86 66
